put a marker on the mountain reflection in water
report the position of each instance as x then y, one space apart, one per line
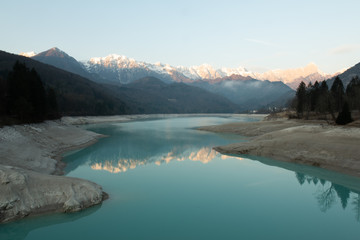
162 142
204 155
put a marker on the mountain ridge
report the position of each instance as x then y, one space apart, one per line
121 71
151 95
291 77
120 68
75 94
79 96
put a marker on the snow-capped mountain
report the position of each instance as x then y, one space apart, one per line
123 69
288 75
119 66
293 77
235 85
27 54
62 60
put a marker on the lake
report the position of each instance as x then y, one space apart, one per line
166 182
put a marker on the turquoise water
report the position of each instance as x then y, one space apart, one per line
166 182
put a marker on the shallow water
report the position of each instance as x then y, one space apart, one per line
166 182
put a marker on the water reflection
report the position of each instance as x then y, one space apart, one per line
204 155
162 142
135 144
328 193
331 186
20 229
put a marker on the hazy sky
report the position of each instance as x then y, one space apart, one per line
258 35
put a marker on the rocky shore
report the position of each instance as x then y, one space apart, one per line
30 169
313 143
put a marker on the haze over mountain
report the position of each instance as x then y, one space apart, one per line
234 84
250 93
151 95
79 96
123 69
293 77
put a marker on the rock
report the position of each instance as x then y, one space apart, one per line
28 155
30 193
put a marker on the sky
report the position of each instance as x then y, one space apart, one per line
256 34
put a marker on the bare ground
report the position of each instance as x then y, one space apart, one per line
29 160
313 143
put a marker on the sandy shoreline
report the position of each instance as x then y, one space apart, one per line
313 143
30 165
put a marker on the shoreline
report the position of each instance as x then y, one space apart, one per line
59 154
31 169
31 165
314 143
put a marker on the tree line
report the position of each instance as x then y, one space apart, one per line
24 98
319 99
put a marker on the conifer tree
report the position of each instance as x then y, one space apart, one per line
2 97
323 101
300 98
26 95
315 92
52 106
337 93
353 93
344 116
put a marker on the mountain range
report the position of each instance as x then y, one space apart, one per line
121 69
117 67
77 95
248 93
134 83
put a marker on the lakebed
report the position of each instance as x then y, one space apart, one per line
314 143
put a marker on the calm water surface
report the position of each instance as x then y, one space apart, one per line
166 182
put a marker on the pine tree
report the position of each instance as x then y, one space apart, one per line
300 98
308 98
322 101
315 93
337 93
353 93
52 106
26 95
344 116
2 97
37 96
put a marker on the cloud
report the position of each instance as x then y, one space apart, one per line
344 49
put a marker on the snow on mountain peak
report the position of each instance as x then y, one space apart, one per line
236 71
114 60
203 71
289 75
28 54
207 72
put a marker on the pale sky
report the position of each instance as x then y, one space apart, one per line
258 35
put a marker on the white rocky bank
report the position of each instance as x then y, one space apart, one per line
30 165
